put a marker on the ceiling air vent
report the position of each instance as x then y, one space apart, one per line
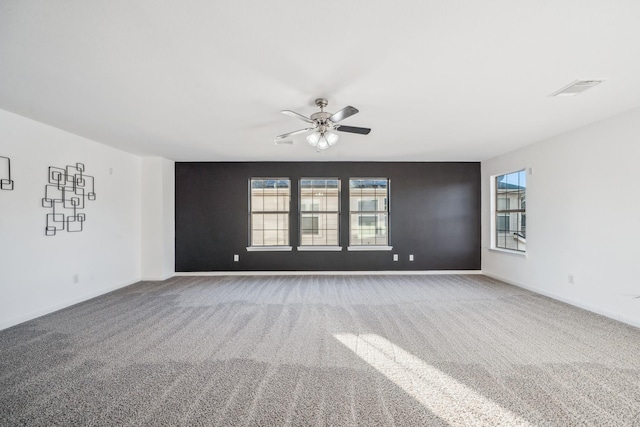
577 87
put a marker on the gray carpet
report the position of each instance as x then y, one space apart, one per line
323 351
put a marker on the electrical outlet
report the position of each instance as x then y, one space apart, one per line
76 278
395 257
411 257
236 258
571 279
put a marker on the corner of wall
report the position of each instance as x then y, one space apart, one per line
157 215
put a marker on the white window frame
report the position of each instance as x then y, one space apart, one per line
269 248
313 211
495 212
386 211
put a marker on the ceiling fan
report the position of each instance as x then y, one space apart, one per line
322 126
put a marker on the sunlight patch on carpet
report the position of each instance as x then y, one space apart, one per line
443 395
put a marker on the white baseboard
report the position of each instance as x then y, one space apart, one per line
50 309
324 273
594 309
157 279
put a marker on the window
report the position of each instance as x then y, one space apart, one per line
319 212
369 213
269 206
510 212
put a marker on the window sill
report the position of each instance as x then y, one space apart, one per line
268 248
369 248
319 248
509 252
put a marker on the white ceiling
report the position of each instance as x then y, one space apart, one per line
206 80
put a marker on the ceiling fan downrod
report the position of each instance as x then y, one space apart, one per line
321 103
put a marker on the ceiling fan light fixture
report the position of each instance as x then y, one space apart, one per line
331 138
322 144
313 138
322 140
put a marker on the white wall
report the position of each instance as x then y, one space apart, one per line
36 272
583 218
158 218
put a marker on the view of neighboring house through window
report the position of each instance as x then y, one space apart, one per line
510 213
269 206
319 212
369 212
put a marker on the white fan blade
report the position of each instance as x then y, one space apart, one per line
297 116
295 132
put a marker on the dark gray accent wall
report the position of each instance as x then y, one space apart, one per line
435 215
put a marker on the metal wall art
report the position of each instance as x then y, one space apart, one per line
5 174
65 195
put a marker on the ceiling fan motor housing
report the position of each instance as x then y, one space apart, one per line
323 123
321 117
